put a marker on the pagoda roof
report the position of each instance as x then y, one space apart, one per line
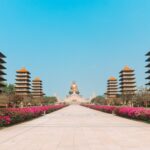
127 69
2 55
2 73
148 59
148 66
128 86
112 79
23 70
127 75
37 79
148 77
23 75
127 79
17 83
2 67
2 60
148 54
2 79
148 83
147 71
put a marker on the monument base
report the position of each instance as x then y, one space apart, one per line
75 99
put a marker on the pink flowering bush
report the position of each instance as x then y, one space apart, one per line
11 116
103 108
4 120
138 113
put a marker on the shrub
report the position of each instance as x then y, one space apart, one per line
138 113
103 108
11 116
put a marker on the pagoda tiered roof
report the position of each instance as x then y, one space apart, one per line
147 71
23 70
2 73
127 80
2 55
148 60
23 82
37 90
148 54
112 79
148 66
112 87
2 60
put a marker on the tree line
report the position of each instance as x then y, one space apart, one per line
140 99
9 98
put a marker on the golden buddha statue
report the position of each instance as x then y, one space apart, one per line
74 89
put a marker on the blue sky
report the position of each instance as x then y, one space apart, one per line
82 40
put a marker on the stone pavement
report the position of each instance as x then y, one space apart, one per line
77 128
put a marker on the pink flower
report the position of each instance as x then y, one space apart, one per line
138 113
15 115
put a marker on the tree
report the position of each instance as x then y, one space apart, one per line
127 98
9 89
16 99
99 100
49 100
142 98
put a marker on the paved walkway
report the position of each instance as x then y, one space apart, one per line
77 128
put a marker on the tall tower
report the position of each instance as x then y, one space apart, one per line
37 90
23 82
148 66
112 88
2 62
127 81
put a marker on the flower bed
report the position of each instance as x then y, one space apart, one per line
103 108
11 116
4 120
138 113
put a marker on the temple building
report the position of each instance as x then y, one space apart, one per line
37 89
148 71
74 96
127 81
22 86
112 88
2 68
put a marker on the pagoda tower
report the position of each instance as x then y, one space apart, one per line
23 82
127 81
112 88
2 62
148 66
37 90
